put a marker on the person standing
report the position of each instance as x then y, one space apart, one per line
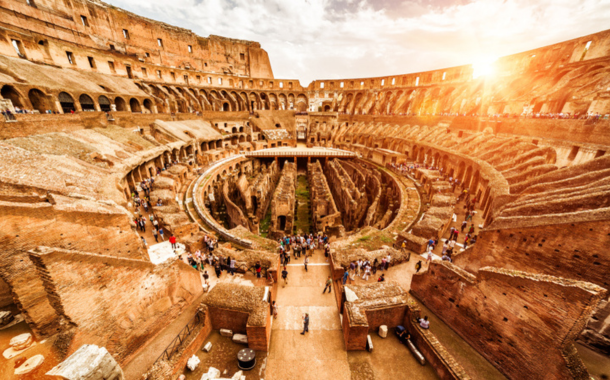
232 267
345 276
217 270
172 241
285 277
305 324
258 269
418 266
305 262
155 234
161 233
329 283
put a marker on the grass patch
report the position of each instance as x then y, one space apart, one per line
265 223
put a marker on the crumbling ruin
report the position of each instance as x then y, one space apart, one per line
108 133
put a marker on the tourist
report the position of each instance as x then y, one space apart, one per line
471 229
232 263
424 322
429 259
305 324
305 262
464 224
217 270
285 277
329 283
387 262
274 309
206 278
418 266
144 241
381 278
383 264
258 268
375 265
172 241
156 235
367 272
345 276
358 266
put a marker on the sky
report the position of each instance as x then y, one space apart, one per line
331 39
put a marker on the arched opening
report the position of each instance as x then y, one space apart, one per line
135 105
104 103
66 102
225 107
120 104
148 105
234 130
39 100
281 222
86 103
327 108
9 92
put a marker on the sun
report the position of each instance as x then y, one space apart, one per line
484 67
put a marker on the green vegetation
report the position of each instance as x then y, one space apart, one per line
265 223
374 240
302 220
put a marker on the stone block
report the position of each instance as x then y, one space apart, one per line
5 317
207 347
89 362
240 338
383 331
226 332
193 362
369 343
30 365
21 341
238 375
212 373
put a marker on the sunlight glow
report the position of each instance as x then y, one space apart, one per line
483 67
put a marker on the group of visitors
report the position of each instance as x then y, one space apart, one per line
302 245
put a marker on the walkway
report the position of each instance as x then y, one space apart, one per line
320 354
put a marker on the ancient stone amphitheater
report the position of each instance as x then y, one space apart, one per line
110 119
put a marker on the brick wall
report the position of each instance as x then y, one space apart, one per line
259 337
524 324
390 316
228 319
353 336
117 303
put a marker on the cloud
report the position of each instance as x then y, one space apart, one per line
329 39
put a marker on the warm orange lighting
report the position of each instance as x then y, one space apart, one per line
483 67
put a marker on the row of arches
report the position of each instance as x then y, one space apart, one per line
65 102
180 99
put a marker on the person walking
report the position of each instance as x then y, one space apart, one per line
329 283
418 266
274 309
161 233
305 324
464 224
367 272
156 235
345 276
305 262
285 277
217 270
172 240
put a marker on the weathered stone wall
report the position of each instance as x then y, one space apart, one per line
500 312
134 299
283 202
325 214
352 203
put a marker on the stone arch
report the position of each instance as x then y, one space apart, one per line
67 102
467 176
301 103
39 100
104 103
148 105
134 104
86 103
120 104
11 93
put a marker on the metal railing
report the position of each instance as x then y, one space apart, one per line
182 336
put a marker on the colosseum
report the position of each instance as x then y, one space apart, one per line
169 209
